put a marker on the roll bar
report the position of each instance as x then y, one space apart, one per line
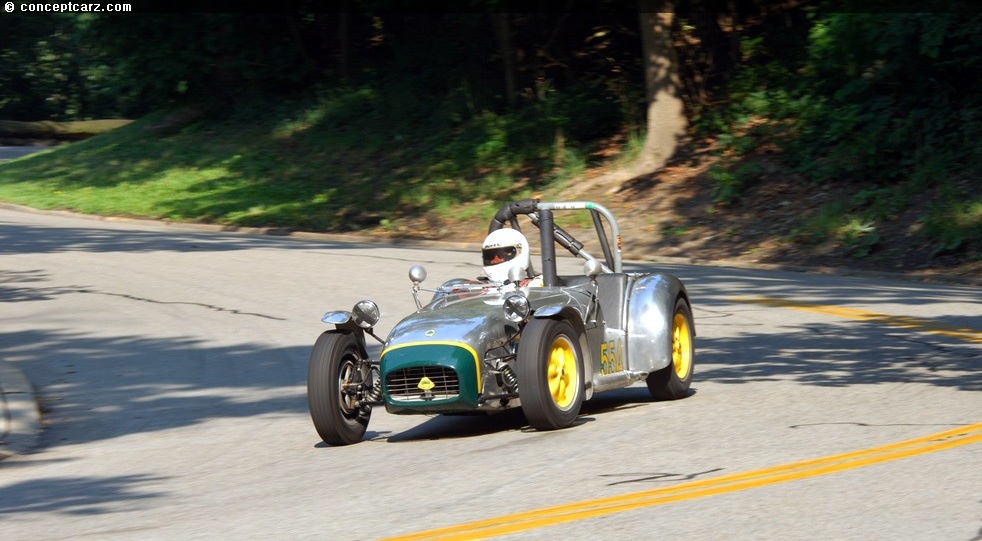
541 215
511 211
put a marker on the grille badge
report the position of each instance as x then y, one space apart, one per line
425 385
405 384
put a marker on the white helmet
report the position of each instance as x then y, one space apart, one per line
502 250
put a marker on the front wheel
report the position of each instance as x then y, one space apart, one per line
334 379
550 373
672 382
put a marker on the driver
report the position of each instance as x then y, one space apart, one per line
502 250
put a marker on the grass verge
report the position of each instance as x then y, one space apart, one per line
339 162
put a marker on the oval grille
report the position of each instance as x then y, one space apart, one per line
403 384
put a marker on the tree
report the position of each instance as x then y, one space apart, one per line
48 71
666 120
502 28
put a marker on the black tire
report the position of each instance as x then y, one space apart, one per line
334 362
672 382
550 373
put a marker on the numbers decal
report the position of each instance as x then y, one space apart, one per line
611 357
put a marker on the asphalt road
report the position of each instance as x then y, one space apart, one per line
171 367
13 152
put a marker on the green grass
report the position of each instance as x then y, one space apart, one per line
950 218
335 163
856 234
954 222
347 161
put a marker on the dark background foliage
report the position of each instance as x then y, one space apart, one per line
889 98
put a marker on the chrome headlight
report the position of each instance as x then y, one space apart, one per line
516 307
417 273
366 314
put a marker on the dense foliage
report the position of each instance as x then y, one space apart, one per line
438 66
890 101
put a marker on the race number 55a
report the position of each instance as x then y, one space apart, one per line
611 357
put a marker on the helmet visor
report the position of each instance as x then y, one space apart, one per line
494 256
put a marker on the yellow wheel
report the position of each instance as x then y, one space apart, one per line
681 345
550 373
673 381
562 372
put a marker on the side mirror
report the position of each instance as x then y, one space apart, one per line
592 268
417 273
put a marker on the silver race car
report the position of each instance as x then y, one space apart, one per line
511 338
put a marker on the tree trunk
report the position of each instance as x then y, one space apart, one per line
344 48
502 27
666 111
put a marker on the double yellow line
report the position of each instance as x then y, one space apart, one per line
550 516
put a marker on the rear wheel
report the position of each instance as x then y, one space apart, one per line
672 382
550 373
334 380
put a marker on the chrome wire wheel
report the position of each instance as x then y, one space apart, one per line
347 388
334 382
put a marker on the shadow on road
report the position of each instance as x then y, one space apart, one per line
104 387
100 387
480 424
840 355
831 351
462 426
24 239
115 383
76 495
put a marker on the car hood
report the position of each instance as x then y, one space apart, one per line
476 321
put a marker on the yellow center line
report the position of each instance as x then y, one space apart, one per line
922 325
549 516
